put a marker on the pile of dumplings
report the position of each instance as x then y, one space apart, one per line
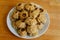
28 19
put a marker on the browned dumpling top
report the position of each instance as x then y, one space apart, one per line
28 19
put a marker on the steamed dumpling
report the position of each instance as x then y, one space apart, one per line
35 13
20 6
15 16
32 30
23 14
29 7
42 18
22 32
30 21
20 24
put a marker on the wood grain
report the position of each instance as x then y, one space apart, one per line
53 8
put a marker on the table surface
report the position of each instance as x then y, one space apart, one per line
53 8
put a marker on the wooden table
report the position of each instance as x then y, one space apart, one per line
53 8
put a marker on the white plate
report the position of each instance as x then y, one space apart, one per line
41 32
